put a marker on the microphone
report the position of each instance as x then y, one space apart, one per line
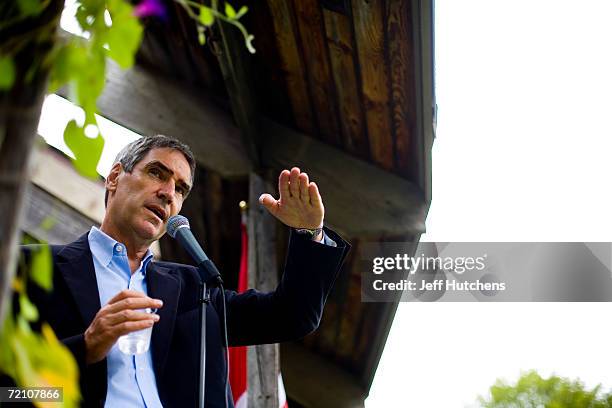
178 228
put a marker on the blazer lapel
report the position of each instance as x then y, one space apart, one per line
75 263
162 285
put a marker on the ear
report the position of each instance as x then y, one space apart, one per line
113 177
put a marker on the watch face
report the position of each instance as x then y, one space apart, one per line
312 233
304 231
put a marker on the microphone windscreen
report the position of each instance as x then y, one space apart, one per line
174 223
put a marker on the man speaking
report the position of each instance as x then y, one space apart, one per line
105 280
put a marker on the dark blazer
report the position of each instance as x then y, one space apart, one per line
293 310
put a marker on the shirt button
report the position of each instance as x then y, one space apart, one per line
118 249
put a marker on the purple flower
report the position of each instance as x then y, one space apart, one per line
148 8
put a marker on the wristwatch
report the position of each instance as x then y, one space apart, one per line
312 233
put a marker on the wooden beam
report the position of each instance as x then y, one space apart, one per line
360 199
50 220
291 64
314 382
315 57
55 174
149 103
263 360
343 62
423 35
235 65
400 45
370 40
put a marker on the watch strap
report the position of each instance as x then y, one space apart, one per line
312 233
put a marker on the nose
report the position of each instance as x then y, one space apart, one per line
166 191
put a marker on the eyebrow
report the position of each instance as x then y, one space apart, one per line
162 167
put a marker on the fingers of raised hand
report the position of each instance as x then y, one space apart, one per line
304 196
315 196
283 184
269 202
294 182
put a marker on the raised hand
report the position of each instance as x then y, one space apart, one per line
299 205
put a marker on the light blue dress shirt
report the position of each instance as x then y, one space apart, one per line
130 378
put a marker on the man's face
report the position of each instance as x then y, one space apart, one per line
141 202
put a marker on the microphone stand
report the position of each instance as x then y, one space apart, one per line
178 228
209 274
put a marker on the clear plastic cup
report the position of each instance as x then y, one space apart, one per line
136 342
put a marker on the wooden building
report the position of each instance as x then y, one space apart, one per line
342 89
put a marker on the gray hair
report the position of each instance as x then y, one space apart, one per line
134 152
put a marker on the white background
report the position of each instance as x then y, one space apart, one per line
522 153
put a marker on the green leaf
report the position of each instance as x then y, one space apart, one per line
27 308
124 36
41 271
22 346
7 358
206 16
201 35
82 16
89 83
86 151
242 12
30 7
229 11
7 72
22 325
69 63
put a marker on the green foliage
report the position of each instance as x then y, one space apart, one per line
87 151
206 16
32 358
229 11
112 30
533 391
202 14
81 63
7 72
124 35
30 7
41 272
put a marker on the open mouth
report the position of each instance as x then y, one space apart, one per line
158 211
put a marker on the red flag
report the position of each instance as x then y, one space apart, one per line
238 355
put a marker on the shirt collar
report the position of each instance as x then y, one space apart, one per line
103 247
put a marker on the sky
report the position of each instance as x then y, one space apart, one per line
523 137
522 152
